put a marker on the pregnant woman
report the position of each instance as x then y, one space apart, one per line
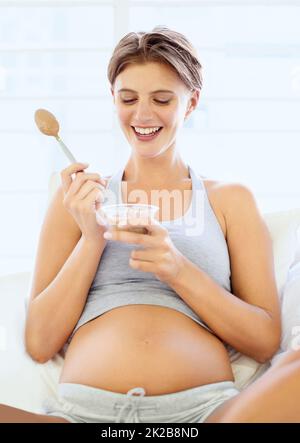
149 323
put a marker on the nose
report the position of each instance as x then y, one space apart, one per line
143 112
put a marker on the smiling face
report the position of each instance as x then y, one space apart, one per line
151 95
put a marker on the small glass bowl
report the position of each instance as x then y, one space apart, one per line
127 216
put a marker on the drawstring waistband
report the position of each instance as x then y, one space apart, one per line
133 406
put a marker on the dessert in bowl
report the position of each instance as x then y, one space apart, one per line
128 217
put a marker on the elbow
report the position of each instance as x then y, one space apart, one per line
38 358
269 349
264 357
34 350
35 353
270 340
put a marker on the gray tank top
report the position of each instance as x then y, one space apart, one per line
197 235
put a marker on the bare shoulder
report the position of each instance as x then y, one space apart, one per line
228 199
233 190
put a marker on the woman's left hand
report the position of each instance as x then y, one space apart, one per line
158 255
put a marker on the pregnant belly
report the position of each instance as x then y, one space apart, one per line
157 348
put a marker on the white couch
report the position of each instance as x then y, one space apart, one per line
25 383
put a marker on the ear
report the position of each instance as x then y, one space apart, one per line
113 94
192 103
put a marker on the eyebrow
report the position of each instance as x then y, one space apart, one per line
153 92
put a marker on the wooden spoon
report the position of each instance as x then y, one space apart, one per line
48 125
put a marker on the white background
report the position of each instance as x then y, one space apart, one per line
54 55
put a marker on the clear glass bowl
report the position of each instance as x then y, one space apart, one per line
127 216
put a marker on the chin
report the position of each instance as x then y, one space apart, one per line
147 154
152 154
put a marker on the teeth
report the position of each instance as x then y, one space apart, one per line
146 130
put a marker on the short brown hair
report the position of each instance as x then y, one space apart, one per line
160 45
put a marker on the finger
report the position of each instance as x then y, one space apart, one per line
132 238
80 181
151 224
66 174
150 255
144 266
90 200
80 176
87 187
104 181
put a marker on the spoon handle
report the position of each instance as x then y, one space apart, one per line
66 150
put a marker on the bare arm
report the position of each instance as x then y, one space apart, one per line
53 314
248 319
66 263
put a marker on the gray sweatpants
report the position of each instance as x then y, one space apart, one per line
85 404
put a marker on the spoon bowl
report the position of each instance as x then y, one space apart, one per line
46 122
48 125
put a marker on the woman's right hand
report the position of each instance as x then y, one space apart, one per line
82 198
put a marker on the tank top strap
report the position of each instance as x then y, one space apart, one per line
198 196
193 175
201 197
114 186
197 182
